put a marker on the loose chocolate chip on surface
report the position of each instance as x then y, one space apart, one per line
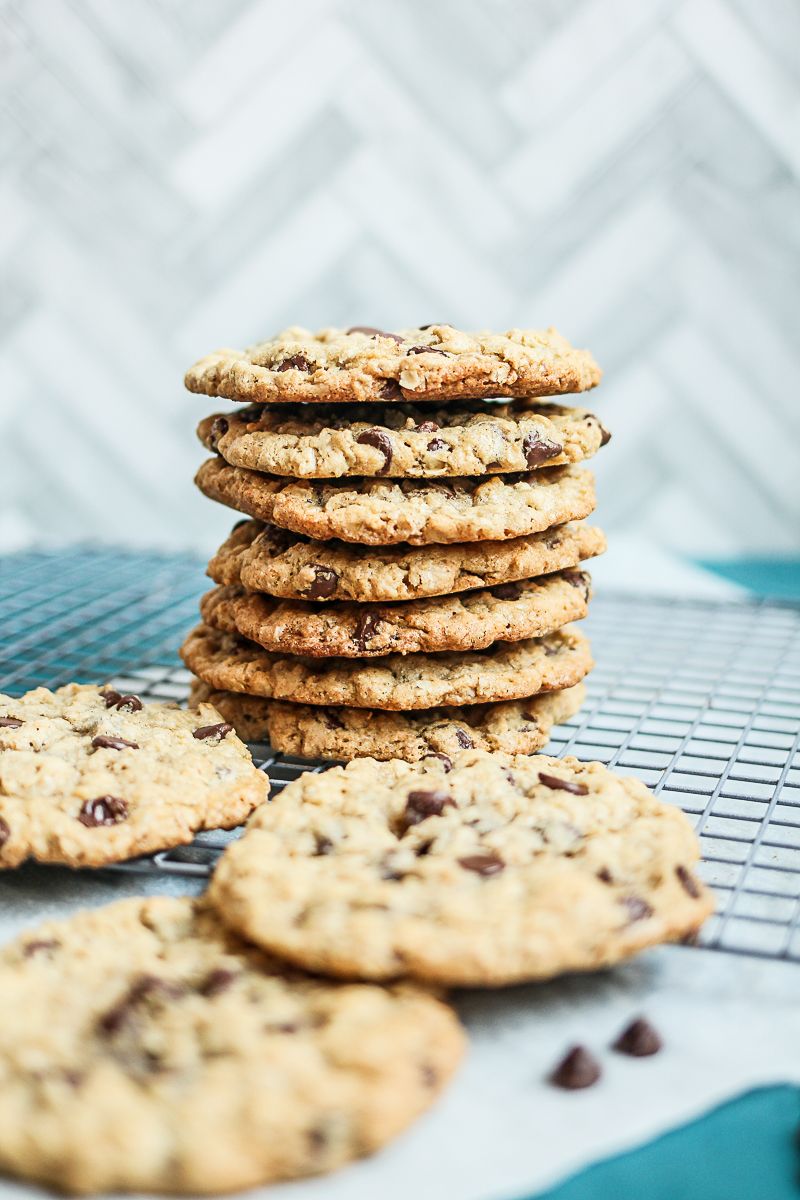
219 427
5 831
463 739
366 628
101 742
128 704
538 449
507 591
105 810
218 981
687 881
423 804
444 759
563 785
296 363
427 427
578 1069
638 909
381 441
218 731
427 350
324 585
639 1039
9 723
482 864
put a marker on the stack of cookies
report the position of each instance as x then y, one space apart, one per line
406 579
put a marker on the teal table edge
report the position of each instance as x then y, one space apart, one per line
777 578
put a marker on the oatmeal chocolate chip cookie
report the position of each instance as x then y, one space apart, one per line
377 512
483 870
469 621
436 362
468 438
144 1048
89 776
504 671
265 558
312 731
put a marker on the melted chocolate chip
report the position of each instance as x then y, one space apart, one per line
437 444
538 449
444 759
687 881
5 831
563 785
324 585
42 944
218 731
427 350
105 810
366 628
101 742
130 704
10 723
219 427
638 909
639 1039
391 390
464 740
507 591
578 1069
381 441
296 363
482 864
218 981
423 804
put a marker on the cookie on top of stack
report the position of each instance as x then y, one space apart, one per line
407 578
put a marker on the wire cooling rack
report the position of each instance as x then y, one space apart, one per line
700 699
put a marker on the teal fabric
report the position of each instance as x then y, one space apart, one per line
778 577
745 1150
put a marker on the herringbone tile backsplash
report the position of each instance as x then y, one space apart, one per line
182 174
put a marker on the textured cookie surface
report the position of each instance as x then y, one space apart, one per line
513 726
378 512
465 438
265 558
505 671
144 1048
360 364
485 870
90 777
469 621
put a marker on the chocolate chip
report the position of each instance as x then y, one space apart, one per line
434 325
5 831
639 1039
101 742
563 785
688 881
324 585
430 1077
331 720
218 981
538 449
391 390
437 444
604 875
444 759
424 848
376 333
482 864
507 591
111 697
381 441
638 909
42 944
219 427
427 427
578 1069
427 350
366 628
10 723
146 985
423 804
322 845
577 579
253 412
296 363
130 704
317 1140
605 436
105 810
391 874
464 740
218 731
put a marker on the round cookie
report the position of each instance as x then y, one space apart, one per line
487 870
89 777
315 732
469 621
466 438
377 512
265 558
144 1048
504 671
434 362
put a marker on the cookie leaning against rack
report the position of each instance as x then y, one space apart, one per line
89 776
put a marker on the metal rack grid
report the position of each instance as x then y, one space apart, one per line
700 699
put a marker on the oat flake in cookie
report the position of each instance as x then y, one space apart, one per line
144 1048
89 776
432 362
484 870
